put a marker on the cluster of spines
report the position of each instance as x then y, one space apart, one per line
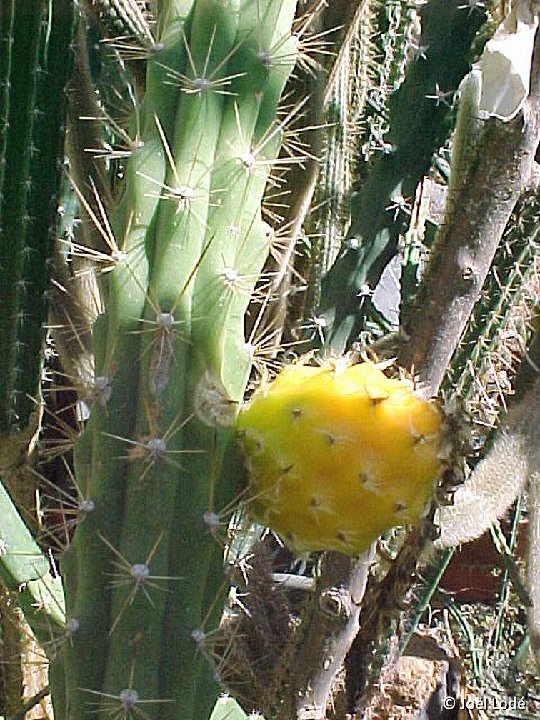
392 46
172 364
125 17
345 101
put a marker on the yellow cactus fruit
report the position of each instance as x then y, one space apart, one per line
339 453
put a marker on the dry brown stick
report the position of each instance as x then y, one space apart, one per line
330 625
468 239
35 700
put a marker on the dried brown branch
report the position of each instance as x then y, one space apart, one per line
330 625
468 239
35 700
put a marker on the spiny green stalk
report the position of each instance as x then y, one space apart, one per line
192 245
125 17
499 323
35 61
419 123
345 102
394 43
86 580
151 490
17 127
356 110
35 73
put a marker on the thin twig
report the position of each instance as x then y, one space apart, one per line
35 700
331 624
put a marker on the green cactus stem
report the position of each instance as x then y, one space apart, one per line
34 71
25 571
35 62
419 117
144 574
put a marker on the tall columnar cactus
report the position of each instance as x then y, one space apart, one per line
34 69
144 573
35 61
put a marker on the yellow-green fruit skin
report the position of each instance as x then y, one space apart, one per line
338 454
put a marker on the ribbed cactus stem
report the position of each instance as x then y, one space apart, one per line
419 121
22 37
155 453
32 102
35 62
